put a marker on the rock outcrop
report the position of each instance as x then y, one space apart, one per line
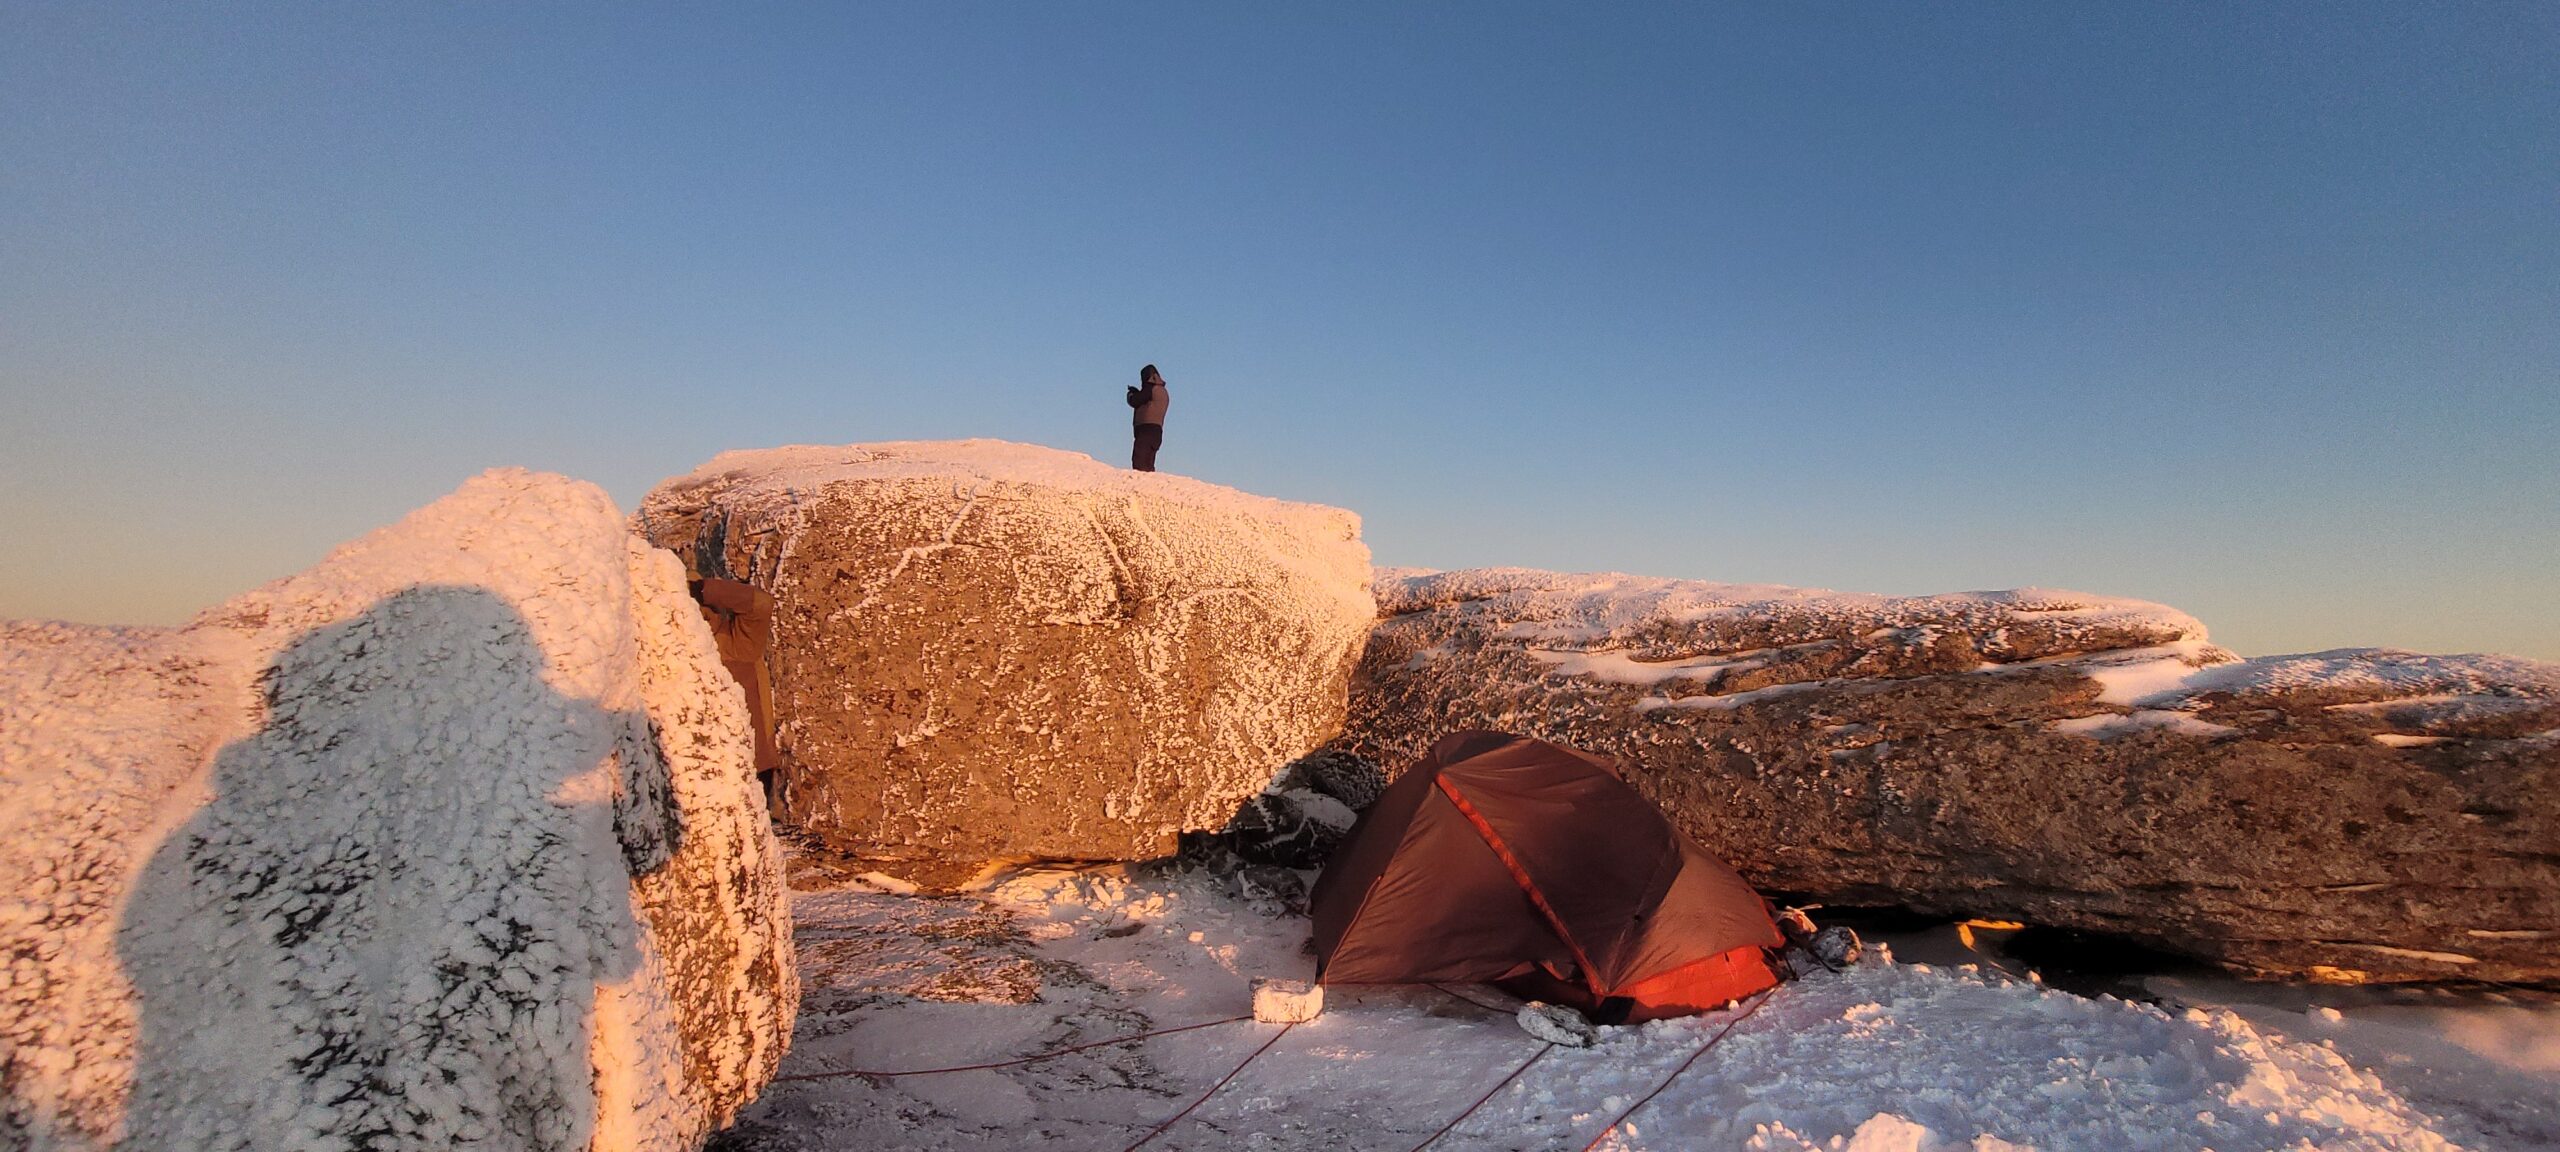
452 841
2062 759
987 651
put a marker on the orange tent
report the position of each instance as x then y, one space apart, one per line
1509 861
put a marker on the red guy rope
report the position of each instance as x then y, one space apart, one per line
1471 1108
1213 1090
1454 994
1675 1073
1011 1063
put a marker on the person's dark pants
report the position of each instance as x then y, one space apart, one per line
1142 456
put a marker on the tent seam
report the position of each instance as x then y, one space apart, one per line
1520 876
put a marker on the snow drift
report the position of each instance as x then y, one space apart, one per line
987 650
450 842
2069 760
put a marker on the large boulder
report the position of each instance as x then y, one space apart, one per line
987 651
450 842
2062 759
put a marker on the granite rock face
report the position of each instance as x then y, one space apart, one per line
988 651
451 841
2066 760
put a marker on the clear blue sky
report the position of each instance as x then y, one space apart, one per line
2251 309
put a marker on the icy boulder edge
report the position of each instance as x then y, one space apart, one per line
451 841
2064 759
986 651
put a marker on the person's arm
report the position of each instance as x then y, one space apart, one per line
743 600
1137 399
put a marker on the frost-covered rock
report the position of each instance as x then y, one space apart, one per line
450 842
987 650
2064 759
1557 1024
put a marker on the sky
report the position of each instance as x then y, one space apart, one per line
2253 310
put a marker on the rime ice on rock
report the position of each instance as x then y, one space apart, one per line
2065 759
451 841
988 650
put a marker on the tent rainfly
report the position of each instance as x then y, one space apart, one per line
1504 860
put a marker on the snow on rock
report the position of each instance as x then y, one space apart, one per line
1878 1056
987 650
2068 760
449 842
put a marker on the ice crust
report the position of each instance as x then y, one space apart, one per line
450 842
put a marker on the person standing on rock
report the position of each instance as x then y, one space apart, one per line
1148 401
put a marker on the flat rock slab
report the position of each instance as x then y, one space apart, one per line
988 651
2064 759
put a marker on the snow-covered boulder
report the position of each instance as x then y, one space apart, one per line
450 842
2068 760
987 650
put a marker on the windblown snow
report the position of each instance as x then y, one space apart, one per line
450 842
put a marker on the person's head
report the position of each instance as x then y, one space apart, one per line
1149 375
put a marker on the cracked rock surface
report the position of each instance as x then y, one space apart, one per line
2067 760
988 651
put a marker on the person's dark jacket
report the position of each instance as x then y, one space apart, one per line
1150 403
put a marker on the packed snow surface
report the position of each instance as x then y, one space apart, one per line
1883 1055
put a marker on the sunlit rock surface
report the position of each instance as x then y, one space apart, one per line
987 650
2068 760
451 841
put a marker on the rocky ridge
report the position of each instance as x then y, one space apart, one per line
2063 759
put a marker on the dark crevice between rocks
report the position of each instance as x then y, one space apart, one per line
2067 960
1269 852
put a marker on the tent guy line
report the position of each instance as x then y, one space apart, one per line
1223 1081
1489 1093
1129 1039
1703 1049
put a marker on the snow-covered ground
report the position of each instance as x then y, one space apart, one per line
1887 1055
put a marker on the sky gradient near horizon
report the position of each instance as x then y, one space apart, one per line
2251 310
